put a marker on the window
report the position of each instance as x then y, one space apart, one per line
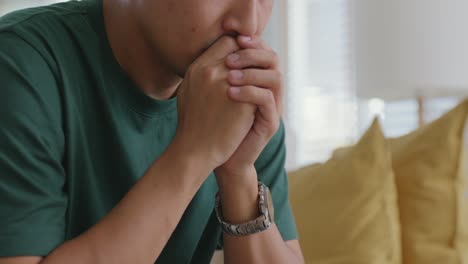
322 109
400 117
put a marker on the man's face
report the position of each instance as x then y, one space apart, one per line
180 30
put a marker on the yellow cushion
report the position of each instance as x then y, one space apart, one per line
427 165
346 208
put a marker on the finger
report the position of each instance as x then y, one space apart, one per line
262 98
248 42
248 58
270 79
220 49
262 78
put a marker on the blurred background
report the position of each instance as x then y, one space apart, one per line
347 61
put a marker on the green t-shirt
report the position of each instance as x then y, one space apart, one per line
76 134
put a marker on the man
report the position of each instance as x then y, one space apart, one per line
114 115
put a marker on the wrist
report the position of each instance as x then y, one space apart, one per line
260 220
235 177
193 168
239 200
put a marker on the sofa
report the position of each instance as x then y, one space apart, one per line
388 200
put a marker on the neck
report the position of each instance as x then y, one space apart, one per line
135 55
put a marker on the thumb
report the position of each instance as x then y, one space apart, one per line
220 49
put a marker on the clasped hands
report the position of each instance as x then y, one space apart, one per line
230 104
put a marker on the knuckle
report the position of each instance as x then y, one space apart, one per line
269 96
279 77
248 76
191 69
209 73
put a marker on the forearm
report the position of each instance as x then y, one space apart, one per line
265 247
240 204
138 228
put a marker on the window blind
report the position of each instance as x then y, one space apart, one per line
320 98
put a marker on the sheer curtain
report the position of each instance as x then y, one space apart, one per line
321 103
323 110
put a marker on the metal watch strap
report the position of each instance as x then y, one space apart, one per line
261 223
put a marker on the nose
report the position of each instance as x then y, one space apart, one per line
242 18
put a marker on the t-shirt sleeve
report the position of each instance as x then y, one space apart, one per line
271 171
33 200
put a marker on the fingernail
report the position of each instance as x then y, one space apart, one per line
234 57
235 90
245 38
237 75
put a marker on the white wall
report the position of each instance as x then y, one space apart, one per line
7 6
406 45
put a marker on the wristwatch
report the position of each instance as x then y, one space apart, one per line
261 223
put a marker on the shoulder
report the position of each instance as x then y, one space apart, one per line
38 17
28 83
20 61
47 29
